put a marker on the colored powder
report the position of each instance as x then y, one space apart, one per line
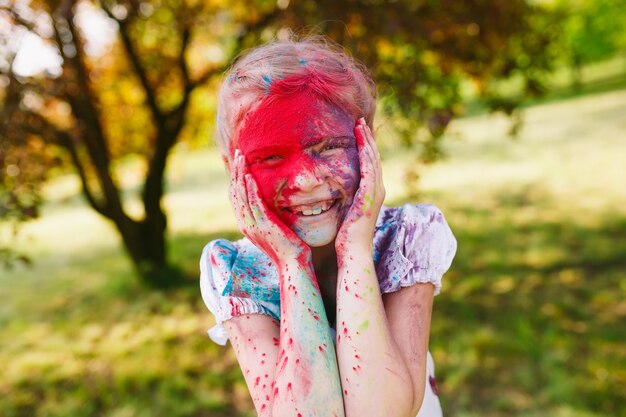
276 134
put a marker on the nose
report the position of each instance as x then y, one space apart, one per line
307 175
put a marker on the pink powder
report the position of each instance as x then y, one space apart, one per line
276 134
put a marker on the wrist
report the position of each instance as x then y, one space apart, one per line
300 259
354 246
355 254
287 253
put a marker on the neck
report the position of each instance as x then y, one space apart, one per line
324 259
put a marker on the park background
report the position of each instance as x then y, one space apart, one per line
509 116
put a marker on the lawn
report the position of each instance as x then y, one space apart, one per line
530 322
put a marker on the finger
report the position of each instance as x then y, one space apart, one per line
271 223
372 183
257 206
242 191
361 141
240 195
233 193
358 133
367 155
371 143
233 177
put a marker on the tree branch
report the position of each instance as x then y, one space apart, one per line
67 142
133 56
43 127
19 20
182 62
83 100
264 21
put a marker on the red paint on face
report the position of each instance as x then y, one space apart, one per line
300 149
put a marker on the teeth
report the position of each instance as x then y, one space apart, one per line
312 210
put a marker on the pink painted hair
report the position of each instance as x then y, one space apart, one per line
284 67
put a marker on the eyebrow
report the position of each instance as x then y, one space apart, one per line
268 150
317 140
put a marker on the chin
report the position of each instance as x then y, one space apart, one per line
317 237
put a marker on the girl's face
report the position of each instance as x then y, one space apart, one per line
302 153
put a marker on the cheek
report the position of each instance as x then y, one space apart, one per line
346 170
268 181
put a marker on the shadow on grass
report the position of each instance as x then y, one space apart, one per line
532 317
95 342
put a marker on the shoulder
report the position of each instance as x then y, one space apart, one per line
237 279
412 243
421 213
237 268
216 263
219 252
408 222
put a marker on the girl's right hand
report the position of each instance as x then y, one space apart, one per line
257 222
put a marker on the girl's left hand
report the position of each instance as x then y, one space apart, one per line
358 227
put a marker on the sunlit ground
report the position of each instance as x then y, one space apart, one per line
530 321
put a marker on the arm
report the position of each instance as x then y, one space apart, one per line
301 366
383 344
381 354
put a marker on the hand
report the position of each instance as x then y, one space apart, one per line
257 222
360 222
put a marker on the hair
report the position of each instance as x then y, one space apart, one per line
285 67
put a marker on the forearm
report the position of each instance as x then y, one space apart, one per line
374 376
307 378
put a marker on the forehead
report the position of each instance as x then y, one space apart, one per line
295 121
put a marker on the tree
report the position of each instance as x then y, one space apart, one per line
421 51
592 31
137 95
134 99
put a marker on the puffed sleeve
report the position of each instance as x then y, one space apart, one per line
221 291
419 249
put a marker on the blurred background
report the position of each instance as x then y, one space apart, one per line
508 115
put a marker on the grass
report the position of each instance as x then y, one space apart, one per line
530 321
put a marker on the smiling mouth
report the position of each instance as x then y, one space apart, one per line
309 210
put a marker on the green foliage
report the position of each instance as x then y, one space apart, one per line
150 85
421 51
592 30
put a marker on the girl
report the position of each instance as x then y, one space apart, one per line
327 300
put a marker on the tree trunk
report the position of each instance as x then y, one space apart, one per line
577 75
146 244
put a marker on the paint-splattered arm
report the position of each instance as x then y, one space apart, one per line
307 376
376 377
255 341
303 369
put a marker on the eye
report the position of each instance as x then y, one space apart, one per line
268 160
337 143
330 147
